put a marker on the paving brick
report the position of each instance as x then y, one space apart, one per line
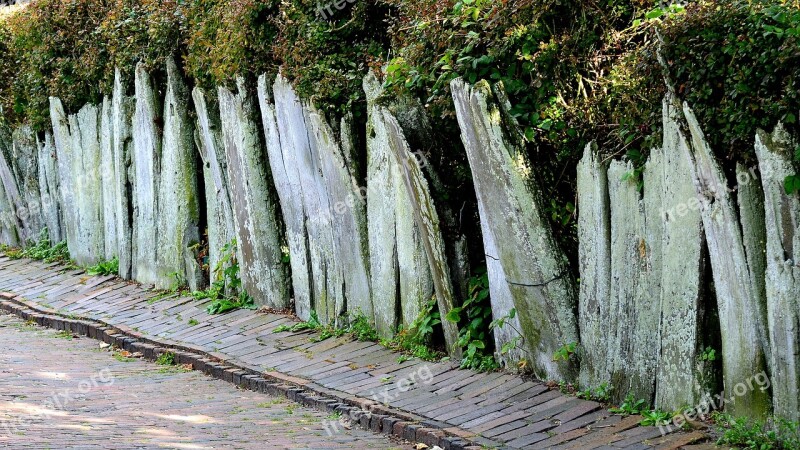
140 404
461 401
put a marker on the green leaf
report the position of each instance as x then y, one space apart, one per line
530 134
654 14
792 184
453 315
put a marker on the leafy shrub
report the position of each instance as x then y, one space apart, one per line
226 292
166 359
737 64
229 38
104 268
417 339
69 49
630 406
570 69
750 434
42 250
474 317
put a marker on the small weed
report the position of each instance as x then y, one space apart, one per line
226 292
166 359
600 393
415 340
779 434
64 334
474 318
655 417
41 250
160 296
709 354
630 406
565 352
361 328
334 416
123 357
270 403
193 322
104 268
312 324
173 369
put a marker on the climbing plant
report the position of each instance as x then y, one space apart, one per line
42 249
226 292
474 318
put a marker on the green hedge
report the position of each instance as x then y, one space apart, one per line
739 66
576 70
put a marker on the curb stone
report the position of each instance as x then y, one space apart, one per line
366 414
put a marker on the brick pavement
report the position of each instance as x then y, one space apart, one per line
57 391
418 400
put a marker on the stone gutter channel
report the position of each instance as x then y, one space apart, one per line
515 413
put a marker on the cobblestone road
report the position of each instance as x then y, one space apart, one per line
57 391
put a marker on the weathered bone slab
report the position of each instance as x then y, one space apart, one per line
48 188
594 231
536 270
783 269
11 226
381 221
77 143
254 204
744 341
403 226
300 151
146 160
108 176
287 184
178 197
631 314
427 222
679 380
122 109
63 145
221 228
25 175
347 211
